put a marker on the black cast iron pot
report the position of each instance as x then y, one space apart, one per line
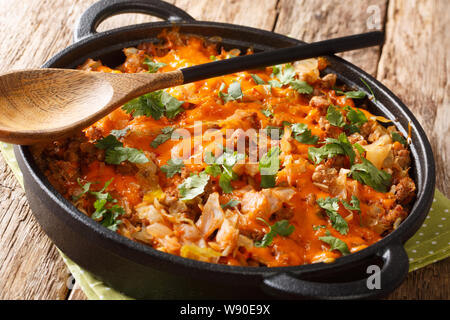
142 272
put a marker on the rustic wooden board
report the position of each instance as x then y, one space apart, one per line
414 65
30 267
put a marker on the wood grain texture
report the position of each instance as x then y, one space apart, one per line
318 20
46 27
414 65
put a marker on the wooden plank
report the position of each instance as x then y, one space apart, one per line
319 20
258 14
414 65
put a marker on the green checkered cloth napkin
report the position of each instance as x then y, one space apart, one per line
430 244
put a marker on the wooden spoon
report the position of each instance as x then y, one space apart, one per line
46 104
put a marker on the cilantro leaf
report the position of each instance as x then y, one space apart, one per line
165 135
119 133
301 87
232 203
193 186
109 142
315 228
107 217
335 117
234 92
336 244
267 112
355 94
303 134
398 137
257 79
353 205
282 228
120 154
84 189
274 133
172 167
223 166
332 148
284 73
275 83
154 104
117 153
331 207
367 173
269 165
153 66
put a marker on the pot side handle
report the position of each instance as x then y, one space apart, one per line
394 270
89 21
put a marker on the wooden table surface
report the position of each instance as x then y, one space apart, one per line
413 63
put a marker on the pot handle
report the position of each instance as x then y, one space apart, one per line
89 21
394 270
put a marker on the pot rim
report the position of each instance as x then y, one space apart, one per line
118 243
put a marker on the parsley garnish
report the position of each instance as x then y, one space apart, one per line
398 137
193 186
223 166
336 244
356 117
318 227
257 79
284 73
275 83
355 94
303 134
331 149
331 207
282 228
335 117
153 66
368 174
232 203
117 153
234 92
172 167
166 134
267 112
107 217
302 87
268 167
273 133
353 206
154 104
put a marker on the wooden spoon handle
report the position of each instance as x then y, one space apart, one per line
273 57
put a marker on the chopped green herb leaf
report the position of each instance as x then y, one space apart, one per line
331 207
267 112
257 79
333 148
109 142
166 134
282 228
355 94
275 83
119 133
154 104
303 134
315 228
398 137
172 167
336 244
120 154
335 117
193 186
213 58
153 66
368 174
230 204
269 165
273 133
284 73
301 87
234 92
